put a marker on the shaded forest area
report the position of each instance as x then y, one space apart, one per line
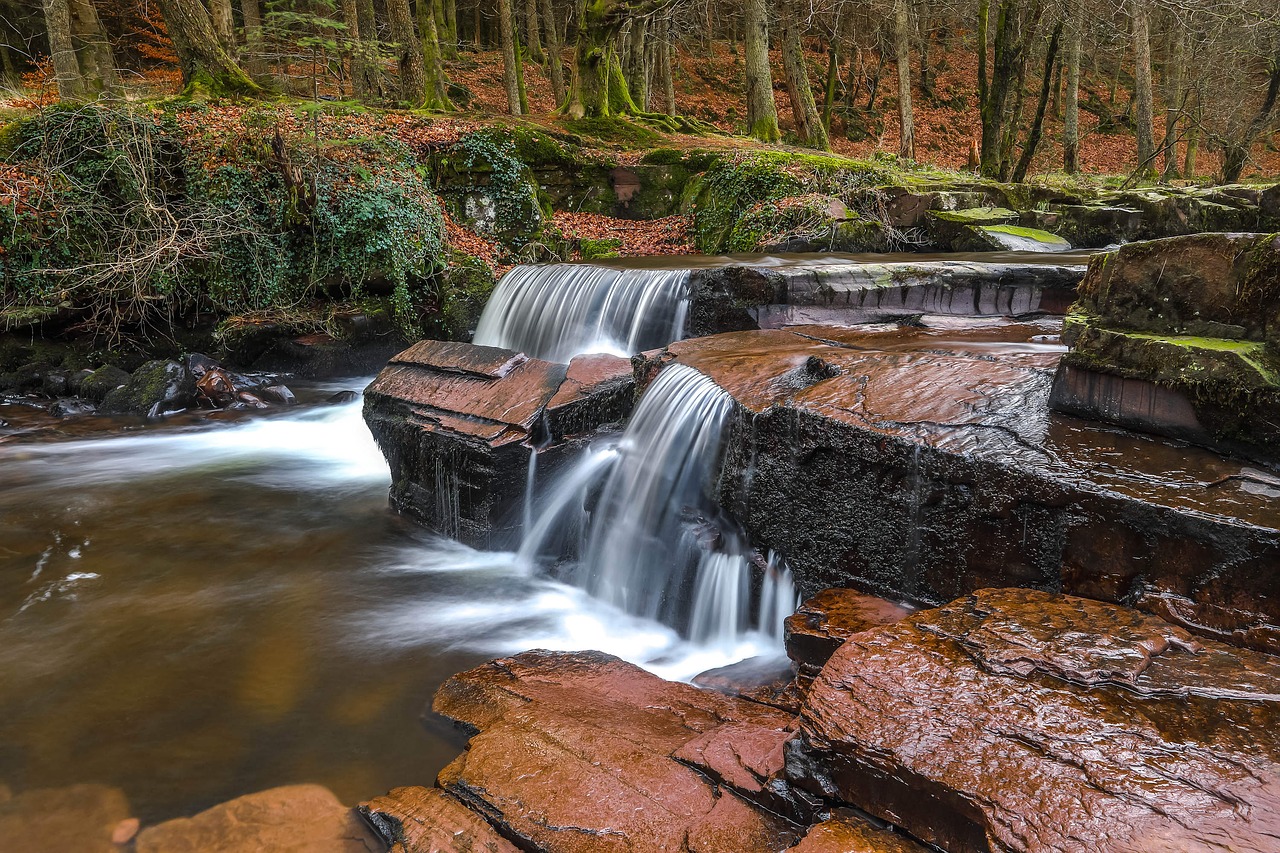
1159 89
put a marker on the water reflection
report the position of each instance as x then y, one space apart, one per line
191 613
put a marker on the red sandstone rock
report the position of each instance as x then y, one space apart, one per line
75 819
845 832
292 819
578 752
427 820
597 389
1025 721
822 623
769 681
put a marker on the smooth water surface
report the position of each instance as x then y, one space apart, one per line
195 612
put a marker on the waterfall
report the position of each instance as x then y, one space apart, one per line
643 531
557 311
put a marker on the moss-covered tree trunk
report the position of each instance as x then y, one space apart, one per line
436 90
510 57
666 80
447 24
408 52
206 65
366 62
796 72
555 64
762 111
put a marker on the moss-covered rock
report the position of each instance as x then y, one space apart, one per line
464 289
101 382
155 389
484 183
954 230
1016 238
1192 327
806 223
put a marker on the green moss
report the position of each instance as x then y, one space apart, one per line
1252 353
615 130
976 215
1028 233
596 249
662 157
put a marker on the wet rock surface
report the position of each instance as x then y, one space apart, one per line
1021 720
424 820
1181 337
847 832
583 752
821 624
458 424
292 819
923 463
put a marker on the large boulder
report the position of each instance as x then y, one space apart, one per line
1181 337
583 752
923 463
1014 720
458 424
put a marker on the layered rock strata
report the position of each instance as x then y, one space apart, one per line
1181 337
923 463
458 424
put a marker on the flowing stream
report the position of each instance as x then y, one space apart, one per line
191 612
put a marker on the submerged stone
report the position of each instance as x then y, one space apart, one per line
291 819
75 819
1015 720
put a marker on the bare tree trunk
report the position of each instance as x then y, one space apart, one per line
1071 112
57 20
762 112
555 49
1143 106
1037 125
408 52
665 58
437 84
533 42
829 90
510 58
1173 97
223 26
902 48
366 71
204 61
253 58
1193 137
799 89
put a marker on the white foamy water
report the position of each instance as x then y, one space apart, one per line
644 534
557 311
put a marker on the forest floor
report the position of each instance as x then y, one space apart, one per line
708 88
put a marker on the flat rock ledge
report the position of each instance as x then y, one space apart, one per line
1008 720
459 425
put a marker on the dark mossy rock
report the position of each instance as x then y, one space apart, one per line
908 207
1201 285
484 182
101 382
155 389
464 288
1181 337
1091 226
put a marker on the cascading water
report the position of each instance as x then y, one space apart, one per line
557 311
645 532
